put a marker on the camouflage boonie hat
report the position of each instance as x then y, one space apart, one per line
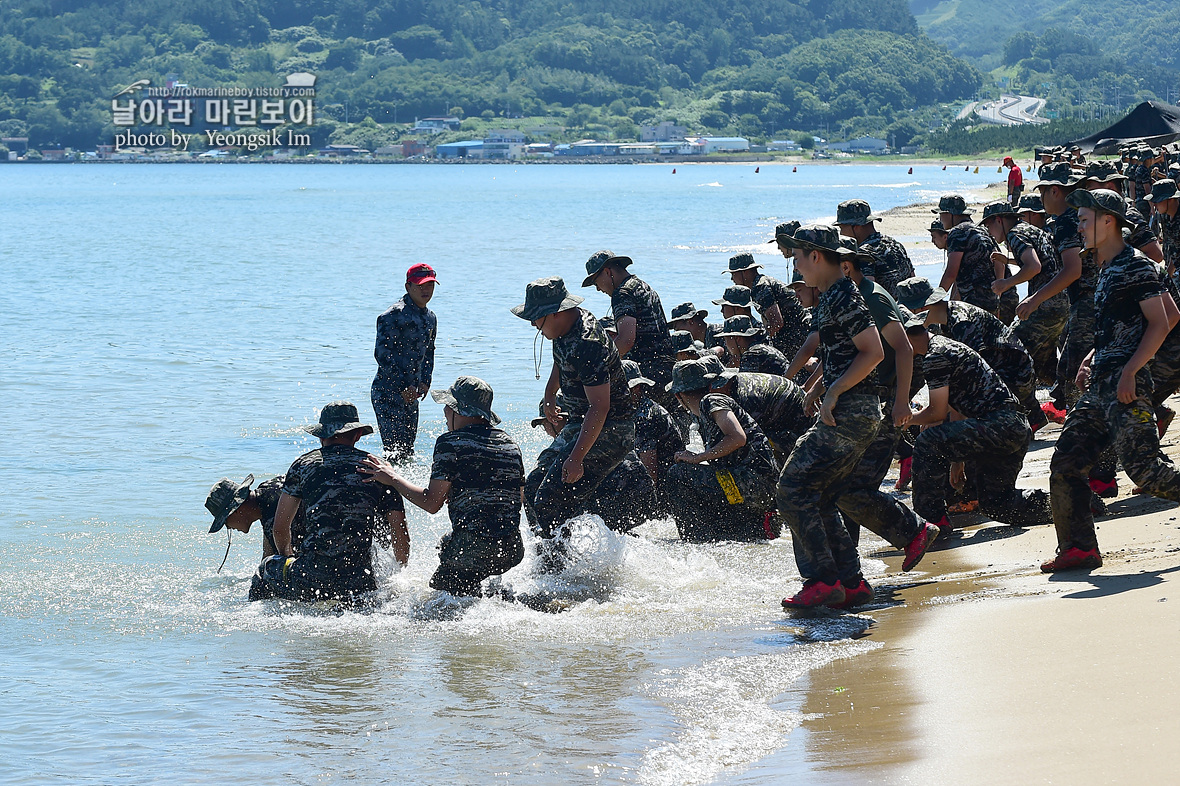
855 212
918 294
545 296
470 397
598 261
784 231
936 226
339 417
1102 172
225 498
740 325
796 278
910 320
740 262
1162 190
818 237
1000 207
1058 175
635 375
953 204
737 296
1101 200
1031 204
687 311
682 341
688 376
856 254
608 324
718 373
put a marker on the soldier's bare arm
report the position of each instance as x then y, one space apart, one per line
953 260
773 319
284 515
903 364
599 398
1071 271
1155 312
1030 265
936 411
625 338
805 353
399 535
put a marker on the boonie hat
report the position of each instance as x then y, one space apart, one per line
688 375
917 294
740 262
687 311
1102 172
818 237
598 261
783 231
635 375
856 254
1031 204
1000 207
470 397
909 319
737 296
936 226
1102 200
718 373
339 417
682 341
1162 190
420 274
226 497
740 325
953 204
545 296
855 212
1058 175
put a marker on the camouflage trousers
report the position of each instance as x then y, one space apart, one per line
466 558
863 504
1006 311
549 500
1040 334
702 507
1015 367
1077 343
1165 369
627 497
287 578
1096 422
813 479
397 421
995 446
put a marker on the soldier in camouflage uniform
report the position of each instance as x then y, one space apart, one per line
741 334
737 301
774 402
342 514
657 436
778 306
689 318
888 261
730 497
478 474
600 431
686 347
970 266
1132 322
405 362
1040 317
1031 211
1165 207
850 414
992 434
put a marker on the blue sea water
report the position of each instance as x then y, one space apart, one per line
167 325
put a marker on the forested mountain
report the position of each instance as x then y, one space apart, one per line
752 66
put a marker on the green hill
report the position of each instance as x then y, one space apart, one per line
597 67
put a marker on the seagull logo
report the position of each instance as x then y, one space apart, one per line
138 84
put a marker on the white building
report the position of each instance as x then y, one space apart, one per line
666 131
504 143
725 144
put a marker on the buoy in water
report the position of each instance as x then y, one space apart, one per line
794 169
673 170
1000 168
977 170
966 169
756 170
944 167
911 170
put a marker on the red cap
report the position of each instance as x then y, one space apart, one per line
420 274
1008 160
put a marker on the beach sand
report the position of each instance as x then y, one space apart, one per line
994 673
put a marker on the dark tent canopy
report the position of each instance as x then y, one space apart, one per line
1152 122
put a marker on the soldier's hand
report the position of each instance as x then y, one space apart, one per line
686 457
409 395
378 469
825 411
958 475
1082 380
1026 307
811 400
902 414
423 389
571 470
1000 286
1126 387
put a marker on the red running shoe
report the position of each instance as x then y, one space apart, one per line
858 594
1052 412
905 472
815 593
944 527
1163 418
1105 489
917 548
1073 559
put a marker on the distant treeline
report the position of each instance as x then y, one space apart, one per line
962 140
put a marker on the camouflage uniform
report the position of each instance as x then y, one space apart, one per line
1099 420
267 494
993 436
768 292
486 473
652 349
341 512
1165 366
863 503
698 493
976 270
891 264
764 359
627 497
585 357
1079 329
825 456
1168 231
656 432
1041 332
405 359
1000 348
776 405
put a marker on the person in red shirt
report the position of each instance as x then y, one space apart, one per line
1015 181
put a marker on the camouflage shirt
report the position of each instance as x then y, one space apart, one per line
884 310
586 357
1125 282
840 315
1168 230
1064 231
267 494
976 328
486 473
975 389
1025 236
774 402
891 264
653 346
768 292
405 346
976 270
764 359
1141 233
340 511
655 431
756 453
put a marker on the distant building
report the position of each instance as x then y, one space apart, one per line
503 143
16 144
636 149
413 147
864 144
472 148
539 149
724 144
54 153
693 146
784 144
667 131
436 125
588 147
342 151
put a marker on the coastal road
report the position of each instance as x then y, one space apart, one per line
1011 111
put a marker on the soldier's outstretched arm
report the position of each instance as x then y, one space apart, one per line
284 515
953 260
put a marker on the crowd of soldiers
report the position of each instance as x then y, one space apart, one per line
801 398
